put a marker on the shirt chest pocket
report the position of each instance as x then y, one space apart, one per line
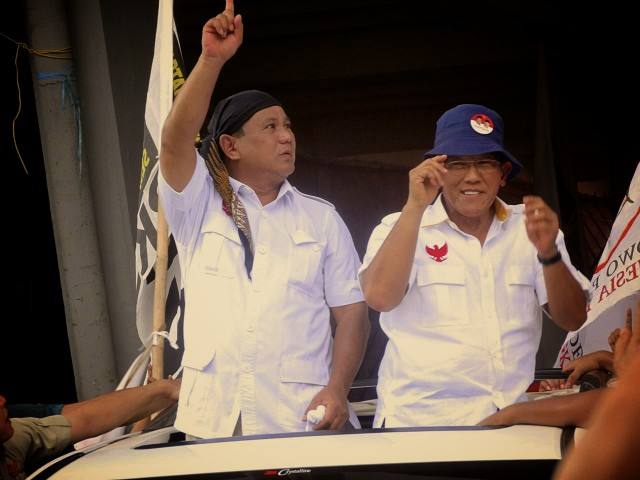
443 295
304 270
522 298
300 380
221 247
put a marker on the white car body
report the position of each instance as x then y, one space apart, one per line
461 452
452 453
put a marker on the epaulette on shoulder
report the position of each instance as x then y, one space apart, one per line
312 197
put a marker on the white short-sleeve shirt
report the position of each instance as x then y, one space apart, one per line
261 346
463 341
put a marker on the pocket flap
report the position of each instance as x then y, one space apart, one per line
302 236
198 358
519 275
304 371
441 273
222 225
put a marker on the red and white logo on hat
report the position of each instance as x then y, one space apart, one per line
481 123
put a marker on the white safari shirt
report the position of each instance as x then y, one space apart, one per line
261 347
464 339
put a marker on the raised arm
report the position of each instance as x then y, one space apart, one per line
221 38
567 302
385 280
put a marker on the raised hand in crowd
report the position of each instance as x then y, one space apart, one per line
609 448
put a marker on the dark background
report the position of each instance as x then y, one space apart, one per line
364 82
34 349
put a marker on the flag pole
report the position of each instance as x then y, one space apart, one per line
159 321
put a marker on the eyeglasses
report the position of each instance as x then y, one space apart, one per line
461 166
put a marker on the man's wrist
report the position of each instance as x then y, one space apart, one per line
550 260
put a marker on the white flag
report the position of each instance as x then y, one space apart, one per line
167 75
615 282
166 78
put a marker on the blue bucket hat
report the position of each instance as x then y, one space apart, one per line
470 129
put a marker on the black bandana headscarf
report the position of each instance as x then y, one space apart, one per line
233 112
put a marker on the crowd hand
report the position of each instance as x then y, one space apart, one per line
576 368
542 225
551 384
174 394
615 334
627 346
613 337
150 377
596 360
425 181
336 409
222 35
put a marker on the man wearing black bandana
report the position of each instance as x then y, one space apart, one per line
265 267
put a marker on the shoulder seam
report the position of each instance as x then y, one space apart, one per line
313 197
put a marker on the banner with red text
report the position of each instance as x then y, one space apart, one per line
615 282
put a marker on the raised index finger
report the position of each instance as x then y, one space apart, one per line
229 6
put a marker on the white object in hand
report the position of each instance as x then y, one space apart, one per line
314 417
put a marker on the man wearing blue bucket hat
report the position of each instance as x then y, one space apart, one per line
461 279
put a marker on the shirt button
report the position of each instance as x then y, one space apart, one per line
264 214
262 249
250 327
246 368
315 248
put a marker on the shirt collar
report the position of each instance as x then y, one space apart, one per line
244 189
502 210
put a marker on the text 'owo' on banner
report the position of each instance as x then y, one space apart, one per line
615 281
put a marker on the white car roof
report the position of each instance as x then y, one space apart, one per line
155 454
